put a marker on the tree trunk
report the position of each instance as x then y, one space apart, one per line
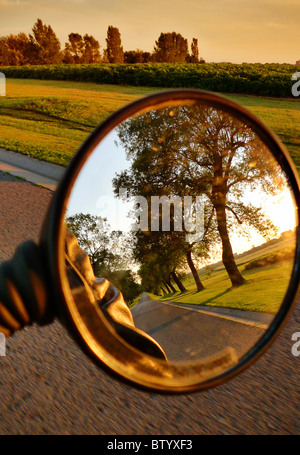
171 285
178 282
167 287
199 285
163 290
227 254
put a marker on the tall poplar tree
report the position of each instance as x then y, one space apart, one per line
114 50
44 45
195 51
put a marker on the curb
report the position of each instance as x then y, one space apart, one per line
33 170
253 318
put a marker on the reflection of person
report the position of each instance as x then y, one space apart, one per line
109 298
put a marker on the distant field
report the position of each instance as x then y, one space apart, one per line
50 119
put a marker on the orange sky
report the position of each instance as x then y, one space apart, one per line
227 30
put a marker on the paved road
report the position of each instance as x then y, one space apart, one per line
186 334
48 387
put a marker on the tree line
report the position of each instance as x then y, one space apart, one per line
42 47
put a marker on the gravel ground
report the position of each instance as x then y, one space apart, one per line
47 386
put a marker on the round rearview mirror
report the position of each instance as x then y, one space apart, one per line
171 246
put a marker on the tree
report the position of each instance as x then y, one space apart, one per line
155 275
125 281
114 50
44 45
133 56
14 50
91 53
147 57
232 159
159 251
81 49
95 237
151 278
137 56
194 57
74 49
195 51
171 48
149 174
200 150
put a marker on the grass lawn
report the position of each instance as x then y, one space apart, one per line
263 291
50 119
281 115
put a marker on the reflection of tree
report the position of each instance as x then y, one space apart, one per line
159 253
199 150
170 249
102 245
92 233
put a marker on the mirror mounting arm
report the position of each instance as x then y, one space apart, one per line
24 295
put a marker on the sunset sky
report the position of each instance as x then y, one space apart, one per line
227 30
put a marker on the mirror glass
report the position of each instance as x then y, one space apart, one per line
186 211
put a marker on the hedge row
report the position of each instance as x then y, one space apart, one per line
257 79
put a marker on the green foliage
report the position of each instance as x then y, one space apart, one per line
124 280
254 79
196 151
92 233
102 245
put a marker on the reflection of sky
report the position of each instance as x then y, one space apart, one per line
93 189
280 209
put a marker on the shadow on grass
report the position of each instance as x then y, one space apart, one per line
177 294
208 301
